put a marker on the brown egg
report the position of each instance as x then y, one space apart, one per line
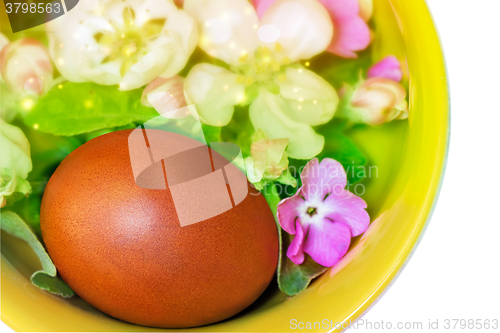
121 248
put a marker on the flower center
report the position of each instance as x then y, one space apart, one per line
311 211
128 42
263 67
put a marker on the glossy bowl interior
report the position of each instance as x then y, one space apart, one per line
410 157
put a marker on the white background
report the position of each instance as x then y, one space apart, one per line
455 271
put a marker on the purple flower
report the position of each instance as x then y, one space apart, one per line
322 215
387 68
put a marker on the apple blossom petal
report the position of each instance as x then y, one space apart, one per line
261 6
147 10
155 85
147 68
165 95
271 113
254 170
288 211
319 179
268 161
304 27
215 91
105 74
276 151
228 28
72 44
312 99
347 208
185 31
351 31
295 251
388 68
327 242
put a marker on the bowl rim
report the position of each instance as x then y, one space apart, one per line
406 7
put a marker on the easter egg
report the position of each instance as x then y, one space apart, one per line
121 247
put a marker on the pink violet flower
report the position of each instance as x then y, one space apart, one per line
351 33
387 68
322 215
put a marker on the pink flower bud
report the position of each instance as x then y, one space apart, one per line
165 95
388 68
26 67
377 101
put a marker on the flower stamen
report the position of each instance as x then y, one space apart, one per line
311 211
128 42
263 67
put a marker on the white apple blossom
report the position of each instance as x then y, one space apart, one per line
285 98
128 42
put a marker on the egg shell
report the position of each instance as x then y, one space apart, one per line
121 248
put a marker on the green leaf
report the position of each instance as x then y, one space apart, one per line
92 135
45 279
239 130
339 147
251 93
295 278
77 108
273 199
338 71
212 133
292 278
29 208
199 56
287 178
47 151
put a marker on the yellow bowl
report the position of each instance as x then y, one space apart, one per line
410 157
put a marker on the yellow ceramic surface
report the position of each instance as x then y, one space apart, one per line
410 156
